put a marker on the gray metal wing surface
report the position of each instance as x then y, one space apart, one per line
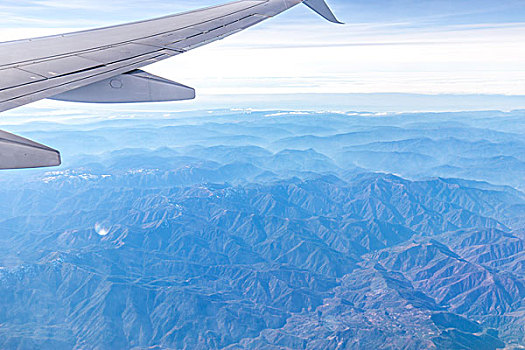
35 69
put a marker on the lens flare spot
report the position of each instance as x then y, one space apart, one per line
101 230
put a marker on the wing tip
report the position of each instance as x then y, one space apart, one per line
17 152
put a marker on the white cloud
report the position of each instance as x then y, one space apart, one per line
473 61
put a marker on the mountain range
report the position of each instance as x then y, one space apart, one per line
268 230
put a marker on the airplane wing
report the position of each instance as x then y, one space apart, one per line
102 65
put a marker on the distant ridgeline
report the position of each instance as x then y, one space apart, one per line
253 230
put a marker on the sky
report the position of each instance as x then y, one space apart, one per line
386 46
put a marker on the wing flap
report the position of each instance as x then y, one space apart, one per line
164 40
61 66
216 33
13 77
117 53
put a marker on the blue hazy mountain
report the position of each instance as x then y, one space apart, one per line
268 230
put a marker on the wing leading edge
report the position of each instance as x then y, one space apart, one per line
93 65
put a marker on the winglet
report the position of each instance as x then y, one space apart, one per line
322 8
